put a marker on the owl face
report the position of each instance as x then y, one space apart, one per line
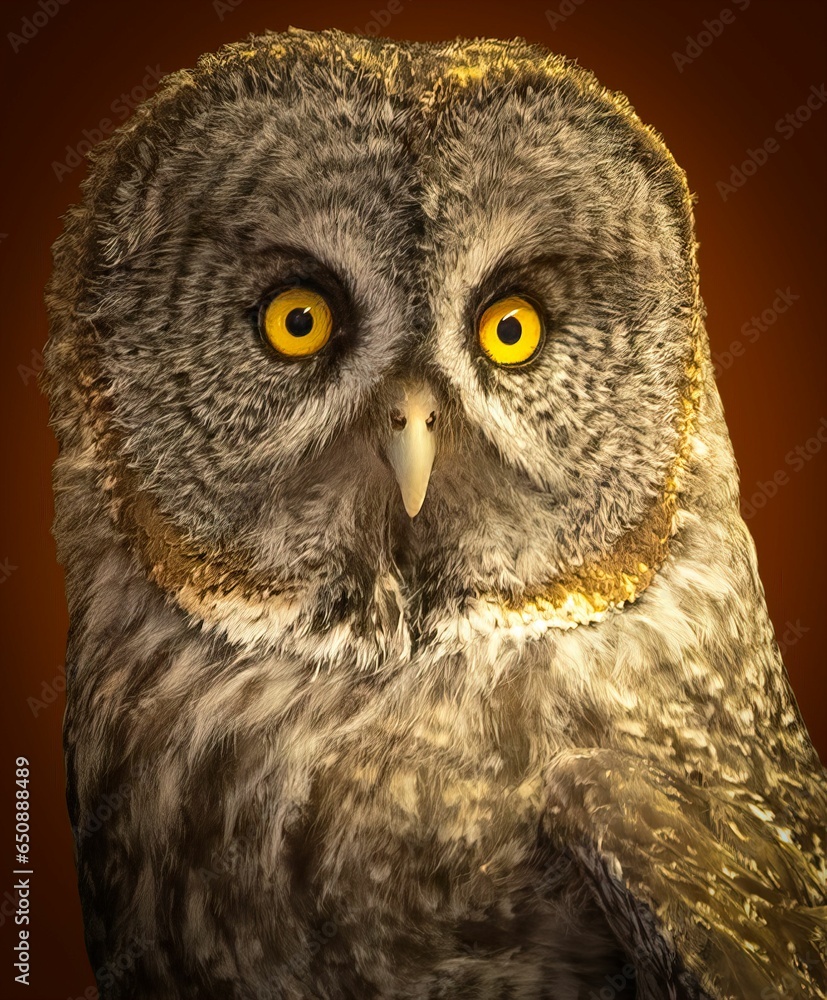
364 308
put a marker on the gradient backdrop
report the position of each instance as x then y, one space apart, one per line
754 66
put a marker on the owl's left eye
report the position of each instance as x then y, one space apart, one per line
297 322
510 331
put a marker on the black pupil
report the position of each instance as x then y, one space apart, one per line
509 329
299 322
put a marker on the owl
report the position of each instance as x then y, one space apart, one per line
417 644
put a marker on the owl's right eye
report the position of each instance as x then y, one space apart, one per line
296 322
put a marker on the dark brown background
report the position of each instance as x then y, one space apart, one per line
767 235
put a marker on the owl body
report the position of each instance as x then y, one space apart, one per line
405 661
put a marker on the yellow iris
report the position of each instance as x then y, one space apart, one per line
297 322
510 331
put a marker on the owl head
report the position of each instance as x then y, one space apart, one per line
354 332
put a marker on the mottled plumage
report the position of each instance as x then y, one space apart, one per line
535 742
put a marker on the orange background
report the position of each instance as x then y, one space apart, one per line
769 234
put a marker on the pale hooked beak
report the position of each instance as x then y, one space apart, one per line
412 446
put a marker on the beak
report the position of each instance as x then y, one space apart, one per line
412 447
